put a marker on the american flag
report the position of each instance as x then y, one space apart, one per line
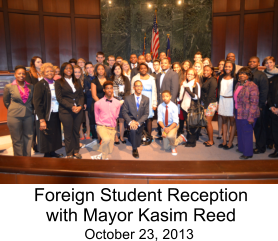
155 38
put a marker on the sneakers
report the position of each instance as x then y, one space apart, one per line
97 157
174 152
183 138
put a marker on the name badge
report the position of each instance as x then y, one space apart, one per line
121 88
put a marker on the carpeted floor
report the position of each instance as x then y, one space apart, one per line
155 150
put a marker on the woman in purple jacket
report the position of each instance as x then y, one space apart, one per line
246 97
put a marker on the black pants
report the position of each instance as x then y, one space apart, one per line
71 123
260 131
91 115
34 138
135 137
274 130
269 119
192 133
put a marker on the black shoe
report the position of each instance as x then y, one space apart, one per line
122 141
269 146
222 146
236 144
257 151
218 137
245 157
135 153
237 150
47 154
35 148
227 148
273 155
209 145
56 155
189 144
159 138
117 143
77 155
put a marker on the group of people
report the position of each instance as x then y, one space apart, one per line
51 106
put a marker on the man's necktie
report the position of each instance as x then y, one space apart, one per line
137 103
109 100
166 116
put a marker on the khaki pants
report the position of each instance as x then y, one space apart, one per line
171 139
107 135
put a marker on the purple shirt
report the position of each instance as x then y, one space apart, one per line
24 94
106 112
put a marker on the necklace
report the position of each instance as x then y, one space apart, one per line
243 83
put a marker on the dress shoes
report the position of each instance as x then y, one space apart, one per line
135 153
35 148
269 146
245 157
273 155
77 155
189 144
257 151
56 155
227 148
221 146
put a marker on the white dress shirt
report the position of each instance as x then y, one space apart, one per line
133 66
71 84
162 76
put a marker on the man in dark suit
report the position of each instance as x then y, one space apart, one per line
167 79
260 79
135 71
133 61
100 59
135 112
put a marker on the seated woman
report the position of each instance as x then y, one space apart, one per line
47 114
121 89
17 99
246 97
149 90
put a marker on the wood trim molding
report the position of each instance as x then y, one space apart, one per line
7 34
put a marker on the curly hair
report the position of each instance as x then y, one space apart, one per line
247 71
45 66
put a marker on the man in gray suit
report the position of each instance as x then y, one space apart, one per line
167 79
135 112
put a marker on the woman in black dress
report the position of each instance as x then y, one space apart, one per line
47 116
121 87
97 93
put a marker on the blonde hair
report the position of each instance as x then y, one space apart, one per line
56 67
45 66
129 70
82 75
202 67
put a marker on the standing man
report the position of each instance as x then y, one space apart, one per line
156 67
107 111
232 58
135 112
260 79
135 71
100 59
148 61
198 56
111 61
162 55
167 79
119 59
133 61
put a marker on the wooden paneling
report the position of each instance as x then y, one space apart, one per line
225 37
4 130
88 38
31 5
7 178
258 4
226 6
3 52
25 38
56 6
1 4
3 112
58 45
87 7
258 30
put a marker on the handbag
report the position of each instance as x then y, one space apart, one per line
196 117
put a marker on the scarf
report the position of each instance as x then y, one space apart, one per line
187 98
270 74
118 81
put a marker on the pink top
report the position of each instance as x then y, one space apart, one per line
236 93
24 94
106 112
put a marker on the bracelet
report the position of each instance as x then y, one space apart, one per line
165 133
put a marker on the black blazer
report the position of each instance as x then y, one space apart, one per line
272 99
66 97
208 94
42 100
170 82
31 79
260 79
130 112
